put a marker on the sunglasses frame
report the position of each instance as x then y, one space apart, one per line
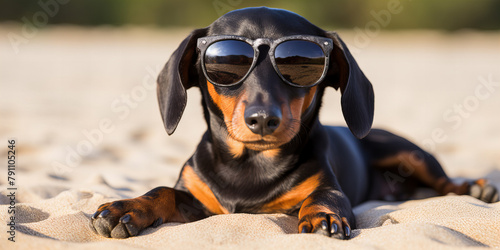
326 44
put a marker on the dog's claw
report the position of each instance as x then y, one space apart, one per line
322 228
489 194
324 225
104 213
328 224
347 232
482 190
125 219
91 224
334 229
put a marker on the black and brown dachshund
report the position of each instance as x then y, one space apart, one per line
262 73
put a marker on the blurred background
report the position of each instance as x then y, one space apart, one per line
423 14
77 84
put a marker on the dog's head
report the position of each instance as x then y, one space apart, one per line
263 110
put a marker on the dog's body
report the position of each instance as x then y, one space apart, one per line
300 167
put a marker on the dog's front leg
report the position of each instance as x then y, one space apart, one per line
327 212
126 218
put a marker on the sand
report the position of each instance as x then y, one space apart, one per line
81 106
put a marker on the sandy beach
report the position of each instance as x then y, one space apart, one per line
81 105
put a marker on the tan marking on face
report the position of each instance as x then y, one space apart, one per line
241 137
201 191
225 103
228 105
271 153
235 147
288 128
308 98
237 127
294 197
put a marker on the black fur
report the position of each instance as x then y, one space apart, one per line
342 166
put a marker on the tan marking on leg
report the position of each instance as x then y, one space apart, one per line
444 186
406 161
293 197
418 169
481 182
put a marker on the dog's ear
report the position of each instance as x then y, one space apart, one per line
177 76
357 92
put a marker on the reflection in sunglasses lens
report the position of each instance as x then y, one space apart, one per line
228 61
300 62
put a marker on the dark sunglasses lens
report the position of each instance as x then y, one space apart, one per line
300 62
228 61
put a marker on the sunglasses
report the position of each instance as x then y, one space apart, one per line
301 60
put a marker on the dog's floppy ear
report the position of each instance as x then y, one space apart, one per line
357 92
177 76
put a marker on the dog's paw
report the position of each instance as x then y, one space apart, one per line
123 218
328 224
484 191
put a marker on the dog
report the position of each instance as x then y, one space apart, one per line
262 73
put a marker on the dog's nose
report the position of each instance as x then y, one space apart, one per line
262 121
